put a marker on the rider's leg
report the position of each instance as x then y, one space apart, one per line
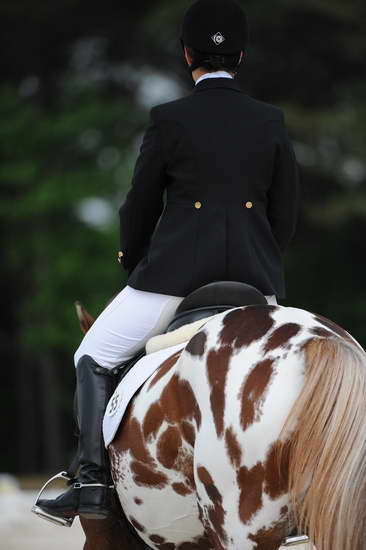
91 496
126 324
120 330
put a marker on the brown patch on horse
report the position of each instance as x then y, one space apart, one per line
276 472
168 447
182 489
232 446
165 367
281 336
253 392
204 475
174 456
322 332
333 326
188 433
138 501
153 420
251 487
132 440
161 543
179 402
148 477
137 525
217 369
242 327
215 542
271 538
196 345
216 512
157 539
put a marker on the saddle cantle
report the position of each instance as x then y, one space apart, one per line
214 298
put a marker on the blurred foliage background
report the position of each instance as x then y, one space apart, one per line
78 79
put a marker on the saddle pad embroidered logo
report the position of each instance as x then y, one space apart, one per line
114 403
218 38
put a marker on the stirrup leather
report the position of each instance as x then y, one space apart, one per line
57 520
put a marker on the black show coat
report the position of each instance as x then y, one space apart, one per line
231 180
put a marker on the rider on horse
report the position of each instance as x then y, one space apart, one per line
230 174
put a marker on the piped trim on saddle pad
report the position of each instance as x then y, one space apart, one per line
177 336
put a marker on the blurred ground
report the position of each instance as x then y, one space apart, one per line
22 530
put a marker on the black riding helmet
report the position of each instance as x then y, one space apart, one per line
216 30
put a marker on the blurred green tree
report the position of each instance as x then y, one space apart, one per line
63 176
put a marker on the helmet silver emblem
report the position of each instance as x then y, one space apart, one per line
218 38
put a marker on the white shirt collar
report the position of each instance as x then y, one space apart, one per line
215 74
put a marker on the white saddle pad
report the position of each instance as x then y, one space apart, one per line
126 389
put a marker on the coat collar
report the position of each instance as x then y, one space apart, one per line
210 83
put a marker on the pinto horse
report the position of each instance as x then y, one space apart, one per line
255 430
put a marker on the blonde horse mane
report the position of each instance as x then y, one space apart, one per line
327 446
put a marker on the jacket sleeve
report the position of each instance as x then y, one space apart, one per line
283 195
144 201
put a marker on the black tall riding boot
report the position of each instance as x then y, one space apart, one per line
91 495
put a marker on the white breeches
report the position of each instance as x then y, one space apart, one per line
127 323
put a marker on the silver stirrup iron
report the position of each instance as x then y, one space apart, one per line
57 520
299 540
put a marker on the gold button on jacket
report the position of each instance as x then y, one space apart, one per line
120 255
249 204
197 204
